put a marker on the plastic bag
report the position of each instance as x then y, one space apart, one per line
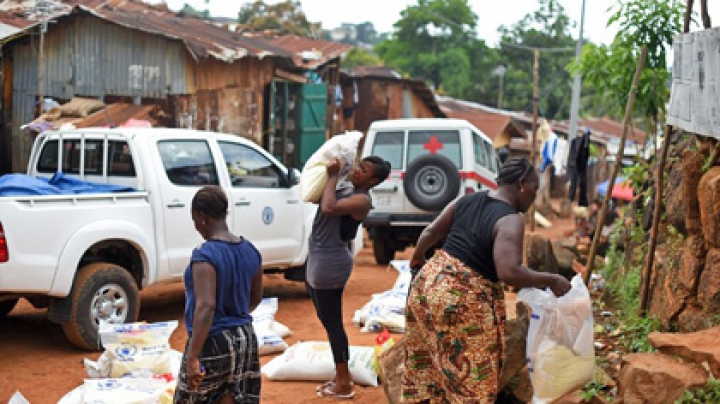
560 344
314 174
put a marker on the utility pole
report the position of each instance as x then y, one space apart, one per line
40 4
577 82
500 71
533 147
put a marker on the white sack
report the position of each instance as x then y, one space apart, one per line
313 360
314 175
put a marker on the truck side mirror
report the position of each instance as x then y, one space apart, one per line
293 177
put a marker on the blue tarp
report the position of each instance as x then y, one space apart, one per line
59 184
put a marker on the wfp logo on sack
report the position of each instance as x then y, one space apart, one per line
126 351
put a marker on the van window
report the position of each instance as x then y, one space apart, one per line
481 156
389 146
492 158
443 142
188 162
120 159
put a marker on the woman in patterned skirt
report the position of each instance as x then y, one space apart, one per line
456 308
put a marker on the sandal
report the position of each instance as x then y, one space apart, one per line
327 384
327 392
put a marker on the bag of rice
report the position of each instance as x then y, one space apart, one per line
314 176
138 349
313 360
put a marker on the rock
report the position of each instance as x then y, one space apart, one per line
709 282
540 256
657 378
692 262
693 318
695 347
565 257
709 200
675 205
667 295
515 344
575 397
692 170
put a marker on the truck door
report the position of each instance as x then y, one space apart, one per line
188 166
266 210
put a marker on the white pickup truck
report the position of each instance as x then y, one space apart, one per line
86 256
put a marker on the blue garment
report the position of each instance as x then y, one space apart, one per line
548 152
235 266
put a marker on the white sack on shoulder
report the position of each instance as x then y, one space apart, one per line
314 176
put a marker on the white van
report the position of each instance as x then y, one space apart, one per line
434 161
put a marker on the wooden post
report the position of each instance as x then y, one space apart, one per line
533 147
616 166
657 213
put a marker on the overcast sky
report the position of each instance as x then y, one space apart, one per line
383 13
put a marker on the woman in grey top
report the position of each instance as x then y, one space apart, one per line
330 260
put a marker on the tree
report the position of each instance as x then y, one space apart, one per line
190 10
609 68
283 18
360 57
547 28
432 41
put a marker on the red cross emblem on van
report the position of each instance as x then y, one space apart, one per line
433 145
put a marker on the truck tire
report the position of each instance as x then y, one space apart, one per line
102 292
431 182
6 306
383 251
296 274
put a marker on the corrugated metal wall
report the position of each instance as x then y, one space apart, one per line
89 57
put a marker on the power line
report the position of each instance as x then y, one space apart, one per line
532 48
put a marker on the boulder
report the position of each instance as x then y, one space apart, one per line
709 202
648 378
709 284
695 347
692 262
676 204
565 257
692 170
693 318
540 256
668 297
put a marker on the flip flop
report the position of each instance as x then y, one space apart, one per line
327 384
326 392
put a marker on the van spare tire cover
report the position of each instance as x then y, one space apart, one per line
431 182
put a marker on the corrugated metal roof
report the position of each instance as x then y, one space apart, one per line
492 121
375 71
310 53
202 38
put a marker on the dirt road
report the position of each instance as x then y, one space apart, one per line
36 360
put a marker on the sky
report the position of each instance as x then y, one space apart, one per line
384 13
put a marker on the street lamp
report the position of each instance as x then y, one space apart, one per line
500 72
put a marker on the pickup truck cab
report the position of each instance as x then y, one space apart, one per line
86 256
434 161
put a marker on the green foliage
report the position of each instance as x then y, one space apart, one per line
591 390
360 57
710 394
547 27
610 68
286 17
435 40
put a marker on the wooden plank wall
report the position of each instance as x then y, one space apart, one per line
694 104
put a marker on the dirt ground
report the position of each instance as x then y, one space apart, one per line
36 360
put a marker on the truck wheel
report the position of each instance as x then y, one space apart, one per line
102 293
296 274
431 182
6 306
384 253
